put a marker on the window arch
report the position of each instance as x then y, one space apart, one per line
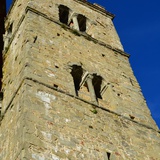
82 20
97 84
77 73
86 85
63 14
73 20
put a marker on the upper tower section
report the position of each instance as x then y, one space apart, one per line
70 45
90 19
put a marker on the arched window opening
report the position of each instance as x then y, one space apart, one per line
10 30
108 155
82 22
63 14
77 73
97 82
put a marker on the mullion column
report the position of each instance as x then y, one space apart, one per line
91 89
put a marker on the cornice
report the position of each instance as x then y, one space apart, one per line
96 7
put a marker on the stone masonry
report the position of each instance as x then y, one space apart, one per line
69 92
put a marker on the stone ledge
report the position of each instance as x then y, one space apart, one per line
1 98
28 8
94 106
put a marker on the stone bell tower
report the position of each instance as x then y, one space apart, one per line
69 92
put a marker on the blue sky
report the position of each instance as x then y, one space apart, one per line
138 25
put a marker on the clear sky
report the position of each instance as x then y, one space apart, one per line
138 25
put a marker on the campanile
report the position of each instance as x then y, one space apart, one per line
69 92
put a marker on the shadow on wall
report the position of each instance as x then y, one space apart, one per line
2 17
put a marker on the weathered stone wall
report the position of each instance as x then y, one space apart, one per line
49 124
100 25
66 128
12 128
48 60
42 116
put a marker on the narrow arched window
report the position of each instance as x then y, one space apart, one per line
10 29
82 22
97 84
77 73
63 14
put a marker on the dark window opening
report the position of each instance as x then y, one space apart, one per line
108 155
97 82
77 73
1 96
63 14
82 22
10 29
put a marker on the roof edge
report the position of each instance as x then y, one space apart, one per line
96 7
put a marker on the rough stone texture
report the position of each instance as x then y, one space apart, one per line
42 117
